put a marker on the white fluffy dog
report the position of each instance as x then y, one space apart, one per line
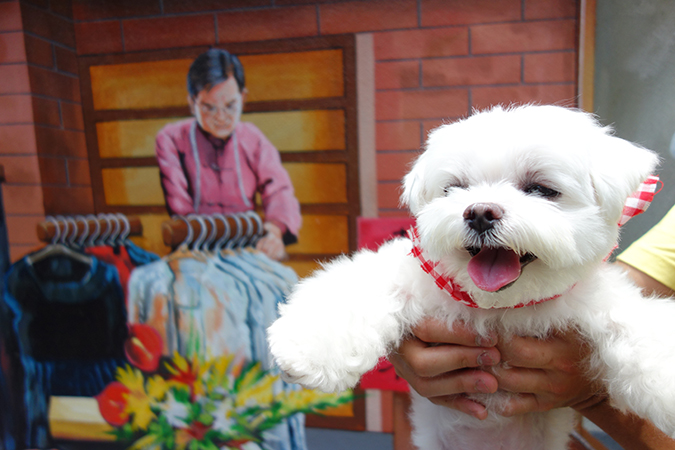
516 211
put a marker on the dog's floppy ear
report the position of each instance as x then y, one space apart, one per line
420 185
414 194
619 169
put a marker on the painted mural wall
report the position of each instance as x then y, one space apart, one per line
92 82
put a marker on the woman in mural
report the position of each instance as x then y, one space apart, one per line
214 163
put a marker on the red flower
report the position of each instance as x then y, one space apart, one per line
237 444
112 403
186 373
143 347
198 430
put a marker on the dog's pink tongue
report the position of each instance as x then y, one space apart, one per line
493 268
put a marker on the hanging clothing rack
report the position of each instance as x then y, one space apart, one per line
213 228
78 228
64 312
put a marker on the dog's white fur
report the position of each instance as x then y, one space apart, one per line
341 320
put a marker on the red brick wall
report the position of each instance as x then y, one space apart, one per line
435 59
42 146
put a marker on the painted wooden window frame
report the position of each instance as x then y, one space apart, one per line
347 103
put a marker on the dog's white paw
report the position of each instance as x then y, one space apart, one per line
317 378
316 360
337 323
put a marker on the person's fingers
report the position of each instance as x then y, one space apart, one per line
522 404
561 351
524 380
528 352
565 384
266 245
455 382
432 360
271 246
432 330
463 404
273 229
527 403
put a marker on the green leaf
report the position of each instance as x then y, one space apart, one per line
181 395
205 418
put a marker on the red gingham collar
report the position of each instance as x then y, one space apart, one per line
636 204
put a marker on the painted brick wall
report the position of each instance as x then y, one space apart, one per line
435 61
42 144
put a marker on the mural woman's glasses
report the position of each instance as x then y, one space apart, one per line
231 109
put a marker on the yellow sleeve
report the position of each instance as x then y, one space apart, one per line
654 252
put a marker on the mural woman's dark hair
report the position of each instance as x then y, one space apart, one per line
213 67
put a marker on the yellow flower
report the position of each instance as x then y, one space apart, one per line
147 442
140 400
188 373
183 438
307 400
219 375
256 393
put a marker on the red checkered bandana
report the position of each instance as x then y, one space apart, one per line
441 280
641 199
636 204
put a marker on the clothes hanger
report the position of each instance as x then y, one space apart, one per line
103 237
92 238
207 247
182 250
115 232
196 246
219 246
85 232
70 240
57 246
234 240
259 232
246 238
126 231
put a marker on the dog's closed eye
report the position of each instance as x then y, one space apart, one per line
541 190
454 185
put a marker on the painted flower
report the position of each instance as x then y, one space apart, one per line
174 412
223 416
198 430
142 396
112 403
143 347
196 403
187 373
256 388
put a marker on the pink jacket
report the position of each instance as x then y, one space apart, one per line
227 178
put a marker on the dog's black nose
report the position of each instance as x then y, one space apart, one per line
482 216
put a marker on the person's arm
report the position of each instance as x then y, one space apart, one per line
628 430
648 284
172 176
277 195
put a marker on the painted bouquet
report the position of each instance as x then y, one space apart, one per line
196 404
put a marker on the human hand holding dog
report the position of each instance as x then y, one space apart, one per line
443 365
546 373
